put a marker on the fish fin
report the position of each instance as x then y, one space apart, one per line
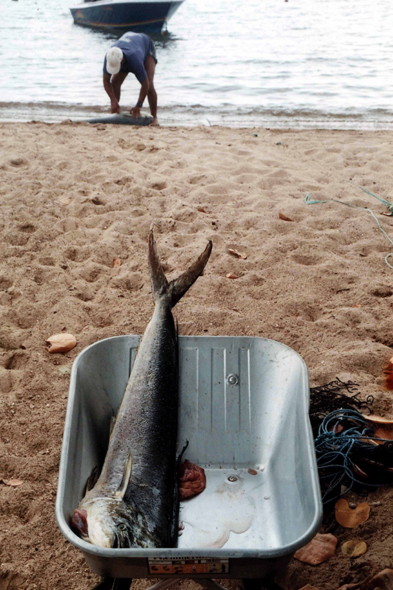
180 457
159 283
174 531
92 479
178 287
126 478
112 425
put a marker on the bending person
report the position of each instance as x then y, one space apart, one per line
135 53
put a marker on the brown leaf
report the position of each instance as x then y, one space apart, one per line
363 584
378 419
354 548
388 372
61 343
231 275
359 472
383 581
116 262
13 482
284 217
385 431
320 549
238 254
201 209
348 517
337 428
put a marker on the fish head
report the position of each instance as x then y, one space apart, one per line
95 521
110 522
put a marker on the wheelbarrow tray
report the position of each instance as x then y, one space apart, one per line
243 409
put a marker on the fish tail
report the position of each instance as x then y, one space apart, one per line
178 287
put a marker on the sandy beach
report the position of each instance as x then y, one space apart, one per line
75 197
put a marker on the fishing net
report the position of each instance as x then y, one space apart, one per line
334 396
348 453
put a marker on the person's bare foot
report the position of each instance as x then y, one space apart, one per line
155 122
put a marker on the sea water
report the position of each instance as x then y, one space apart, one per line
271 63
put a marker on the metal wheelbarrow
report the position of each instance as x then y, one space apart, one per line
244 411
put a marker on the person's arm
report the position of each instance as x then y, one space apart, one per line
115 107
136 110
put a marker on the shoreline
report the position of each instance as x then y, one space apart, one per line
204 123
245 117
75 197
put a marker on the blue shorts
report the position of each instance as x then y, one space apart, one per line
152 50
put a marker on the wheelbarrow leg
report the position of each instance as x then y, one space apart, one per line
105 584
122 584
114 584
208 583
260 584
164 584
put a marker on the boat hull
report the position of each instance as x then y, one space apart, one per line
136 16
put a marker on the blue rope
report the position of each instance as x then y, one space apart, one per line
389 205
333 449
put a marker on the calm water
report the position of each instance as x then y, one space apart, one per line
301 63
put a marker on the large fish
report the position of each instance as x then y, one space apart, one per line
134 502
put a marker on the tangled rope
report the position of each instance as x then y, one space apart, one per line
334 396
389 205
349 453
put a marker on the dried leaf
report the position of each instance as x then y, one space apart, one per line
201 209
378 419
238 254
385 431
61 343
388 372
360 473
354 548
337 428
284 217
364 584
382 581
320 549
231 275
13 482
351 517
116 262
